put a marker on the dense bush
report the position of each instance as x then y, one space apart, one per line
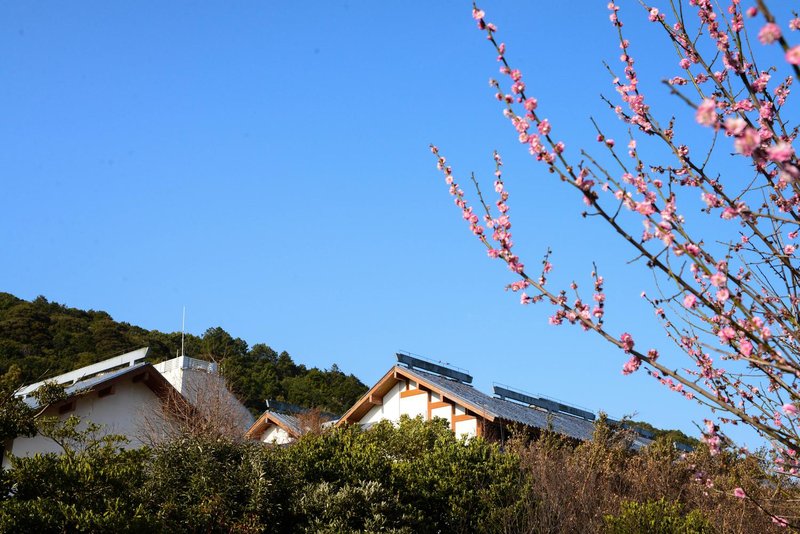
419 474
417 477
88 488
413 477
574 487
199 485
656 517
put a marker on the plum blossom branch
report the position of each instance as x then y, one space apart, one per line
737 298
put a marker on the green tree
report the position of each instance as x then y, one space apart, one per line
656 517
205 485
16 417
220 345
44 339
442 483
86 488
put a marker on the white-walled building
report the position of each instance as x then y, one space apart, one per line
126 395
200 383
275 428
283 422
429 390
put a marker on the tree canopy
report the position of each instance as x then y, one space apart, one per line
40 339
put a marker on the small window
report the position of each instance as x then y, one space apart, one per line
66 407
105 392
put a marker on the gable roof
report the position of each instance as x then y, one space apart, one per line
486 406
129 359
140 371
289 423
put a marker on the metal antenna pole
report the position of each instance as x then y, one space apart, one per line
183 331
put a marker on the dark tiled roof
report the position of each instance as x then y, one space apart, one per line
289 421
573 427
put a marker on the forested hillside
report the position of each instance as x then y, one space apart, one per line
45 339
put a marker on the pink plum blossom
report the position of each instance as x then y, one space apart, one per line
769 33
718 279
726 334
707 112
631 366
544 127
626 340
749 140
780 521
793 55
780 152
746 348
735 125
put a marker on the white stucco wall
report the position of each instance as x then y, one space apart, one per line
277 435
389 409
415 405
467 428
396 405
200 383
445 412
118 413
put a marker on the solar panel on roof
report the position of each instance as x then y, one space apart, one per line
547 404
507 410
284 407
427 365
641 431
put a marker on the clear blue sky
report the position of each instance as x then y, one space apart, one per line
267 166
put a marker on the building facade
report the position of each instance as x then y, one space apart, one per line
127 396
420 388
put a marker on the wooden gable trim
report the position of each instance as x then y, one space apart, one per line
412 392
400 374
264 422
257 428
365 404
479 411
459 418
436 405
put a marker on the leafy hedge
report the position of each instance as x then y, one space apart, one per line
417 477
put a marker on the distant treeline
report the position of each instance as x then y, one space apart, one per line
45 339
